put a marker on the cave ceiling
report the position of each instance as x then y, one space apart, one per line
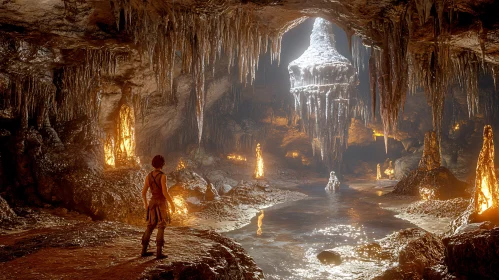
421 43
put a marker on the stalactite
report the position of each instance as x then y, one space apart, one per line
323 85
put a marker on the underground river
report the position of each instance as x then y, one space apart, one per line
295 232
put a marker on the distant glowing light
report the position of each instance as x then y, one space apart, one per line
377 133
293 154
389 171
235 157
181 165
378 172
456 127
259 162
125 136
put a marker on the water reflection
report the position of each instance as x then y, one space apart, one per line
297 232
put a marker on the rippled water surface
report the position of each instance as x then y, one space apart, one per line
294 233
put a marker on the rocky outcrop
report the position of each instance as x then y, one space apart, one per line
6 213
111 250
414 250
430 180
439 183
473 252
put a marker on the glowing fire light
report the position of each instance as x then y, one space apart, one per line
236 157
125 136
292 154
260 222
180 205
259 162
181 165
377 133
486 187
109 151
378 172
456 127
389 171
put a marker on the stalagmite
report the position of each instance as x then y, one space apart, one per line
322 83
431 152
378 172
486 186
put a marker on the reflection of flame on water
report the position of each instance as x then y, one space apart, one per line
181 165
260 222
236 157
379 193
259 162
486 187
109 151
378 172
180 205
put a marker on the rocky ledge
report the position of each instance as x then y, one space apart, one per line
110 250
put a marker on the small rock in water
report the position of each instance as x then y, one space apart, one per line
329 257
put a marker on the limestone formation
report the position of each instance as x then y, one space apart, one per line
323 84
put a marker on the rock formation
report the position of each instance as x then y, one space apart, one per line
430 180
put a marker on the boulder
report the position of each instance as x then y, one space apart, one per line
414 250
6 213
473 253
329 257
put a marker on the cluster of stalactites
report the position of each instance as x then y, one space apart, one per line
198 38
388 70
431 152
392 67
72 91
486 186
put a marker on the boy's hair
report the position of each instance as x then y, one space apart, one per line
158 161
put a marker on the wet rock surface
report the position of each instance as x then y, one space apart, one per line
414 250
98 250
473 254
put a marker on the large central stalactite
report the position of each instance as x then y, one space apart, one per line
323 84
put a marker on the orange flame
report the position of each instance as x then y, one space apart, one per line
259 162
125 136
109 151
180 205
260 222
181 165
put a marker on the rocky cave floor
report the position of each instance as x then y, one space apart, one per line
54 243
